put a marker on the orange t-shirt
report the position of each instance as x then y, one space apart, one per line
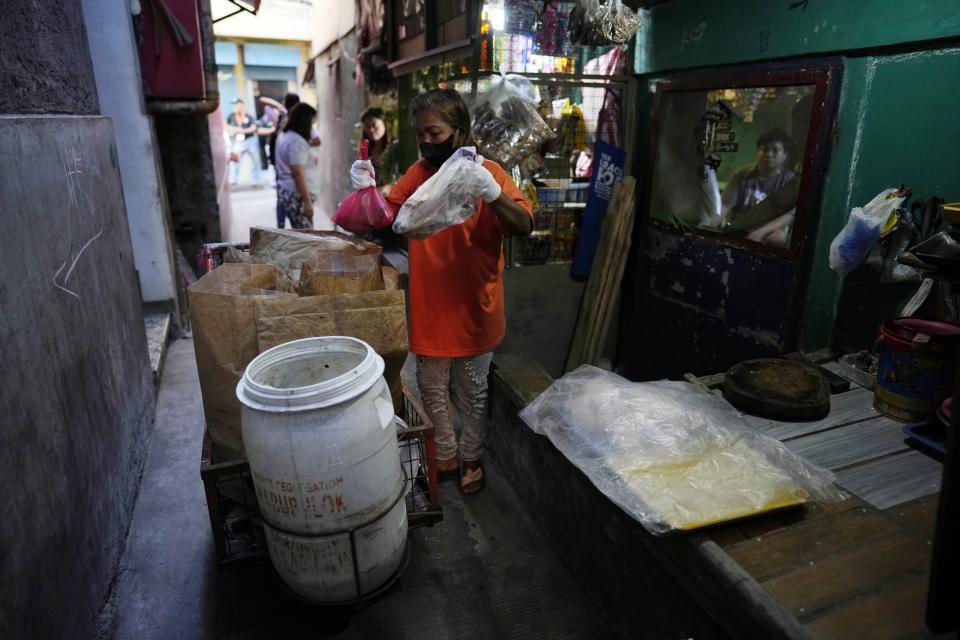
456 275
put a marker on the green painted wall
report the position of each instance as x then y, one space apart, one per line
898 119
897 122
699 33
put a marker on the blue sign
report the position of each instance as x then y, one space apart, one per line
607 169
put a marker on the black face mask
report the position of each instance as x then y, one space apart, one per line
437 153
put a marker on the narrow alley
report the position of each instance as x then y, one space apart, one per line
479 319
484 568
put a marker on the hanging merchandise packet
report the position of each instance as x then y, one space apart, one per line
365 209
447 198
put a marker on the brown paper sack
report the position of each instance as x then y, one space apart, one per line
379 318
391 278
290 249
347 271
223 319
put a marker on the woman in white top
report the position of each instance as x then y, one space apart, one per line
293 149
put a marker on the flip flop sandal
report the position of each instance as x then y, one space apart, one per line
472 480
448 468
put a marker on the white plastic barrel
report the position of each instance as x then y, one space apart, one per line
317 422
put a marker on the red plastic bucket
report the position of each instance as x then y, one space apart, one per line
915 367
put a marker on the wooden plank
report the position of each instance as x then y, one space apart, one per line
845 408
918 516
726 535
756 527
850 444
831 365
810 542
600 294
769 618
862 571
893 480
713 380
896 612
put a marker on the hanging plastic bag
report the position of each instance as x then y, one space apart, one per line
507 125
595 24
851 246
365 209
447 197
572 130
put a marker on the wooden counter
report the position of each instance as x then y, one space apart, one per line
853 569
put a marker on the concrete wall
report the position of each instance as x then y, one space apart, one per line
117 71
332 20
76 395
340 103
46 68
894 121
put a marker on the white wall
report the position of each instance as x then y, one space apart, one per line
332 19
276 20
117 70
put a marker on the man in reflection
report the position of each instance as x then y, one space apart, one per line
753 184
770 220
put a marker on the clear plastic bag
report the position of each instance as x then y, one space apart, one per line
854 242
507 125
670 454
365 209
711 205
448 197
594 23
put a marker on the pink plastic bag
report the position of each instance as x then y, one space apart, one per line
365 209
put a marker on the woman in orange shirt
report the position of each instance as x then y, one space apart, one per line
456 284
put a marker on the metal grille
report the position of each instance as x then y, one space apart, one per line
232 504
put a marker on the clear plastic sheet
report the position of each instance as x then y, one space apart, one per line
445 199
669 454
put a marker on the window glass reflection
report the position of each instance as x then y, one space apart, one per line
729 160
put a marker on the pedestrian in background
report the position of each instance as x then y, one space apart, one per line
243 132
383 150
294 200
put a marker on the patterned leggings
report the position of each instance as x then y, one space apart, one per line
464 381
290 205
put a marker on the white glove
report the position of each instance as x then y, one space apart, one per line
489 189
362 175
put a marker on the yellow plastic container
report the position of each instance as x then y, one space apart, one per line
951 212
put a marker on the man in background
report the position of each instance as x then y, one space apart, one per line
243 135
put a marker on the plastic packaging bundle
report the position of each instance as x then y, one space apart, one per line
365 209
595 24
669 454
711 206
572 130
863 229
448 197
508 127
